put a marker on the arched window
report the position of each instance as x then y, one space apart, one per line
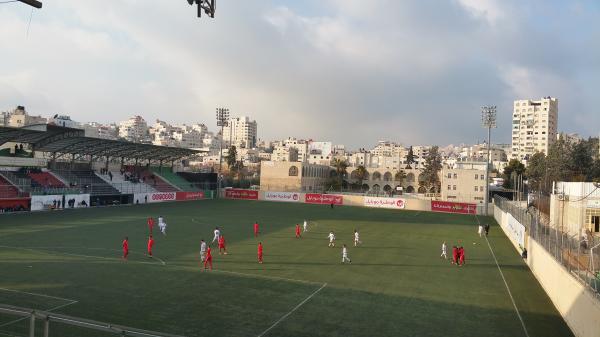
293 172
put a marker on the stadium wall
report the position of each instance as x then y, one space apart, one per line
579 307
398 202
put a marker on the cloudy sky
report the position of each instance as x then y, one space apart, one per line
349 71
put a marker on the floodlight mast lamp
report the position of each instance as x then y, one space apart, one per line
222 121
32 3
208 6
488 121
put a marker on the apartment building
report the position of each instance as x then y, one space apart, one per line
534 127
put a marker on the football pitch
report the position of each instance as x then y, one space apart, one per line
397 285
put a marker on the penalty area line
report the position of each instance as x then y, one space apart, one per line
292 311
48 250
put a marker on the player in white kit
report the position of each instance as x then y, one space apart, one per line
357 238
217 235
162 225
305 226
331 237
345 254
202 250
444 251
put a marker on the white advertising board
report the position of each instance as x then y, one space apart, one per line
515 230
142 198
43 202
282 196
378 202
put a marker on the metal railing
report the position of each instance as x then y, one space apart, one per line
580 255
49 317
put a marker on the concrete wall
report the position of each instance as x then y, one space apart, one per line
577 304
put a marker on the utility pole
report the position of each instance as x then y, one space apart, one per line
488 120
222 121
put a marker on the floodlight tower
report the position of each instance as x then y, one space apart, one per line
208 6
222 121
488 120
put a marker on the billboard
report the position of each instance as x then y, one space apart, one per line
282 196
325 199
232 193
515 230
378 202
453 207
42 202
142 198
183 196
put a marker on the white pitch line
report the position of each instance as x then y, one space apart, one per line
79 255
40 295
507 288
264 276
292 311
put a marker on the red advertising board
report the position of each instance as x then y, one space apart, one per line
326 199
15 203
182 196
232 193
453 207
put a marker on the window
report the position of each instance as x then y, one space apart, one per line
477 176
476 189
482 177
293 171
481 188
454 187
449 187
449 176
455 176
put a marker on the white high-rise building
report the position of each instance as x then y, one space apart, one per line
135 129
240 132
534 127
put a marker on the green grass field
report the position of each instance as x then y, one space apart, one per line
397 285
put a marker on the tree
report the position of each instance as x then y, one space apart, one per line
433 166
231 157
536 171
557 161
340 166
580 160
512 170
361 174
400 176
410 158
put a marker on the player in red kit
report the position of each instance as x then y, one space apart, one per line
150 224
150 245
260 252
125 248
256 229
208 259
222 249
454 255
461 256
297 231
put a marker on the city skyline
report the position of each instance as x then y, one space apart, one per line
307 64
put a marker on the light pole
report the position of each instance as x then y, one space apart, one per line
488 120
222 121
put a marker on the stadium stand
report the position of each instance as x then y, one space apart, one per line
126 184
87 182
45 179
157 182
166 174
7 190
